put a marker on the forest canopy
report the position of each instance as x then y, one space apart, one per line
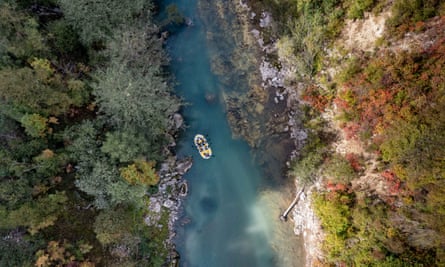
86 113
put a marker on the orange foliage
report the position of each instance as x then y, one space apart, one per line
313 96
334 187
391 87
351 130
354 161
392 181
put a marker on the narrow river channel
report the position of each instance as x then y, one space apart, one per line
225 222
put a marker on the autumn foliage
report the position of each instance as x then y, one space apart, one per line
393 100
314 96
396 104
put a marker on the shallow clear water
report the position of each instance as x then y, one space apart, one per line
224 223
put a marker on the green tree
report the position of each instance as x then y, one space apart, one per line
14 192
109 189
63 38
306 168
95 21
49 163
357 8
141 172
124 146
83 142
21 38
338 169
34 91
136 45
132 99
35 125
334 214
409 11
16 251
35 215
113 226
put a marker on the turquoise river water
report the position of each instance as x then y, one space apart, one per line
225 222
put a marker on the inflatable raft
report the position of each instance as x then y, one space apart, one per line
203 146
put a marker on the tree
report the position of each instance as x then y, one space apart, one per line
338 169
49 163
35 90
63 253
132 99
63 38
16 251
109 189
95 21
14 192
141 172
83 142
35 125
42 93
20 36
35 215
409 12
334 214
112 227
306 168
136 46
124 145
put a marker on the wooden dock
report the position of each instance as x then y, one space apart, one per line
283 217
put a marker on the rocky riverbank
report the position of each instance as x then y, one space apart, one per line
172 188
267 114
278 81
261 108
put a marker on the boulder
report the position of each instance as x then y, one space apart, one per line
168 203
178 120
184 165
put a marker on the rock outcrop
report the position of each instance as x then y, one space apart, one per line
171 190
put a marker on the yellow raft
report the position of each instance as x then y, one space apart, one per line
203 146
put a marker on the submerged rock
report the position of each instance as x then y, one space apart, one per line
210 97
189 22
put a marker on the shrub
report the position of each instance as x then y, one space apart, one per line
334 213
408 12
306 168
339 170
357 8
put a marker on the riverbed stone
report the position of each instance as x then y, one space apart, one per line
168 198
183 166
168 203
178 119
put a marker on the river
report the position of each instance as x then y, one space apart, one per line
230 214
